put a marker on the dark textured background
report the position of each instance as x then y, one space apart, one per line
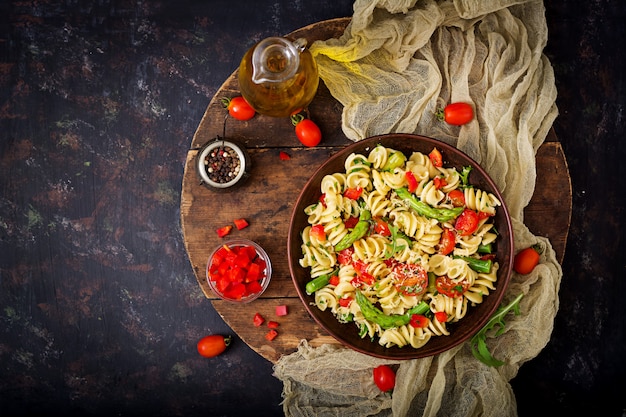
99 307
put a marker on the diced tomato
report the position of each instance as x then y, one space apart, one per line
362 275
410 279
281 310
223 231
412 181
284 156
450 288
253 287
441 316
272 324
258 319
345 302
317 232
271 335
381 227
353 193
483 215
323 200
457 198
351 222
345 256
241 223
436 158
418 321
334 280
439 182
467 222
447 242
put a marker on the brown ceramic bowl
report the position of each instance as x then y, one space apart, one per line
476 316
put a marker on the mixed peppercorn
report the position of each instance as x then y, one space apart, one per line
222 164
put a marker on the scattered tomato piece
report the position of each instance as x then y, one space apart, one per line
384 378
281 310
223 231
238 108
456 114
241 223
258 320
213 345
284 156
526 260
271 335
308 133
272 324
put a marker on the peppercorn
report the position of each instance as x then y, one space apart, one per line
222 164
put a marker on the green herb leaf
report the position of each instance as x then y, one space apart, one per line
478 342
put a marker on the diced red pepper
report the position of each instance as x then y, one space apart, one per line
436 158
271 335
353 193
439 182
334 280
418 321
317 232
441 316
281 310
236 291
351 222
323 200
223 231
254 273
253 287
345 302
241 223
272 324
258 320
412 181
284 156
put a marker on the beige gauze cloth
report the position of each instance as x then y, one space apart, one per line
397 62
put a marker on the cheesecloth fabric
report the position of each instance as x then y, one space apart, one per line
397 62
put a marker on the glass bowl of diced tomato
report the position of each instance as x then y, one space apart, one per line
239 270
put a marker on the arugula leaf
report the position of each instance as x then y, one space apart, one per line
478 342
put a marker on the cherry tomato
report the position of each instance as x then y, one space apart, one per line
418 321
456 114
239 108
213 345
467 222
381 227
436 158
384 378
307 131
450 288
410 279
441 316
411 181
317 231
447 242
526 260
457 197
345 256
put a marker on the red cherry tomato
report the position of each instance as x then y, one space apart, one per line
467 222
436 158
381 227
411 279
448 287
308 133
526 260
447 242
456 114
457 197
213 345
384 378
239 108
418 321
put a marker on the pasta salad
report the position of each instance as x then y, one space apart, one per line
400 247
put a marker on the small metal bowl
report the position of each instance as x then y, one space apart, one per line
217 153
265 271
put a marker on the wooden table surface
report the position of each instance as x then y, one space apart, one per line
266 200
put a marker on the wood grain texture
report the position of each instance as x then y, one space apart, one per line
266 199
